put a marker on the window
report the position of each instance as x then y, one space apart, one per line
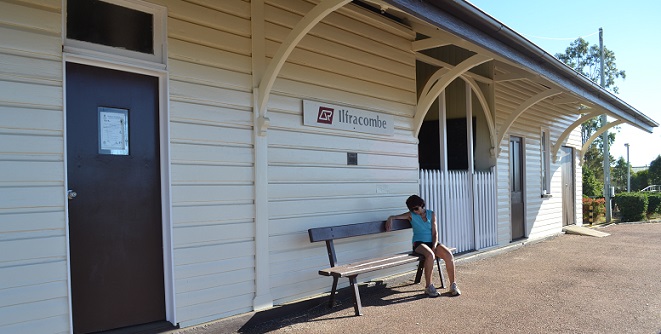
103 23
546 163
129 29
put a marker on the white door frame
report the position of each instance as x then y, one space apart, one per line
166 193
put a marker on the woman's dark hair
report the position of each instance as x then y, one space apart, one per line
413 201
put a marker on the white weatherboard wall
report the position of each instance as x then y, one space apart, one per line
210 105
33 267
543 216
212 159
351 58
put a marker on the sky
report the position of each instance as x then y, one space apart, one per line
630 29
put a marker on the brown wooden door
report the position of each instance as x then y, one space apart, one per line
115 222
516 188
568 192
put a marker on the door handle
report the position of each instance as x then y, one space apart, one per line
71 194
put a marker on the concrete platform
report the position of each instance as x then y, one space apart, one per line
564 284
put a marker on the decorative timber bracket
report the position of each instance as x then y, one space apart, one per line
596 135
314 16
487 112
565 134
437 84
521 109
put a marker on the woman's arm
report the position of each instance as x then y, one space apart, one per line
434 230
406 215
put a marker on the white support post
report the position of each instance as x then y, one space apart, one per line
469 129
262 299
442 132
471 162
442 219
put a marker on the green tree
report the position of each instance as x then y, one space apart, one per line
640 180
655 170
619 175
594 158
586 59
591 185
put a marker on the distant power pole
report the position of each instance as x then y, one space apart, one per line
604 121
628 169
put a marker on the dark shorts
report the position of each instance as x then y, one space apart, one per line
418 243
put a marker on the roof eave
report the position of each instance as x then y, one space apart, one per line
486 32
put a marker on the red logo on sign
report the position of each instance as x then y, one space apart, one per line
325 115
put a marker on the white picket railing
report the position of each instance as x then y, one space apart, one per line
465 207
485 208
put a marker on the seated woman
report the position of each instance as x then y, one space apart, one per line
425 242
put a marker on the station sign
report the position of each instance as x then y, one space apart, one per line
331 116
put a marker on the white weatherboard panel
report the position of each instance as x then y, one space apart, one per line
339 62
33 268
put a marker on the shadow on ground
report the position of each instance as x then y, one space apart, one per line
375 293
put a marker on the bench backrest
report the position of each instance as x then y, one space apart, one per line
330 233
354 230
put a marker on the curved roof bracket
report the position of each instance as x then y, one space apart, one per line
522 108
487 112
438 82
565 134
599 132
314 16
433 80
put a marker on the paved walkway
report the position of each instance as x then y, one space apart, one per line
565 284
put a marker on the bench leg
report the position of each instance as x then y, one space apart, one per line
440 273
421 268
331 303
357 306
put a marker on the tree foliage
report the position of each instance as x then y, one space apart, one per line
655 171
591 185
586 60
594 162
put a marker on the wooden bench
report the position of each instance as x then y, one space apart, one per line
352 270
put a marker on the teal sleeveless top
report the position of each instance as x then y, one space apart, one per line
421 229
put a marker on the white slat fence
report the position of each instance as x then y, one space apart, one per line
465 207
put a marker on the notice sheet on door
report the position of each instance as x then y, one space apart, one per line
113 131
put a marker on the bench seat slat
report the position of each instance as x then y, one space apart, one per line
368 265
